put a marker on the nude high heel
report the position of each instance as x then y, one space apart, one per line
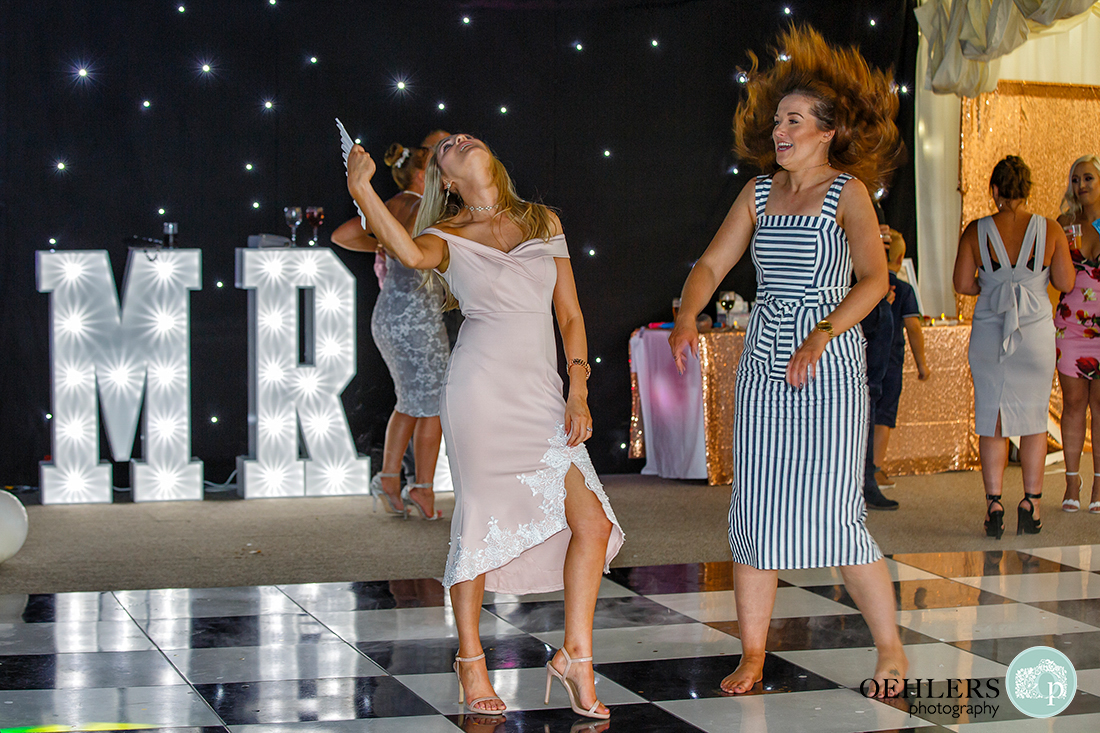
406 497
571 688
462 693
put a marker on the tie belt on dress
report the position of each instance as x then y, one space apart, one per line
775 324
1017 303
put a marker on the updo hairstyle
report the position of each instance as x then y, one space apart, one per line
405 162
1012 178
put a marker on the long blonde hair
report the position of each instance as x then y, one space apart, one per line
439 206
1070 205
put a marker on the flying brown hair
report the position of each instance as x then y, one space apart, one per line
859 102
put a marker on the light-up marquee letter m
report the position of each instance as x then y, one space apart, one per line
288 388
141 349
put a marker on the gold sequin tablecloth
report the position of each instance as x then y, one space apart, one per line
935 418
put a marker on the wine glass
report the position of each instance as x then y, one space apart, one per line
293 216
315 217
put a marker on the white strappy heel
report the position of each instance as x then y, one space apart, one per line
1072 505
1094 507
571 688
376 490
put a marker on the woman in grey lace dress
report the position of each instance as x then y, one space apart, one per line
407 327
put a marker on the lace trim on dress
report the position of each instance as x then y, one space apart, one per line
505 545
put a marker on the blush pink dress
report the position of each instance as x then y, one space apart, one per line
503 416
1077 322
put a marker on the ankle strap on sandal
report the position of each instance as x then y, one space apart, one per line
427 485
1033 496
1075 473
469 659
993 497
388 475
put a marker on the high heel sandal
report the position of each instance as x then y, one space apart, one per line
1094 507
1026 523
406 498
1072 505
376 490
995 523
462 692
571 688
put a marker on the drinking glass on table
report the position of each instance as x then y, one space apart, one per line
1073 234
315 217
293 216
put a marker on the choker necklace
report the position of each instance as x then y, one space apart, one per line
481 208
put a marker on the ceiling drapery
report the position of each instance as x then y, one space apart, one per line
966 38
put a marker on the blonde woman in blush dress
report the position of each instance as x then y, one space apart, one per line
407 326
1007 260
1077 331
530 513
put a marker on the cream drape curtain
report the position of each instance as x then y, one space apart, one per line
965 47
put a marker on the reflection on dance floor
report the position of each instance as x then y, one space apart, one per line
376 656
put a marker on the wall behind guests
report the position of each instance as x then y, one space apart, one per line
652 84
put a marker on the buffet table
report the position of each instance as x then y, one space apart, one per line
683 426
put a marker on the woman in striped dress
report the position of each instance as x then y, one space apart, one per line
800 425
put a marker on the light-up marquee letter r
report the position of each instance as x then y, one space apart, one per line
284 390
141 349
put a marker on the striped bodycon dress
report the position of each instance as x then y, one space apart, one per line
798 461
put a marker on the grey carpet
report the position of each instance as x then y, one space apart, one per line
264 542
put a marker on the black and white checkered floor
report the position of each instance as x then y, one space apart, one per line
376 656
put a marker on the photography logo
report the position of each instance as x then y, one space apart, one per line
1041 682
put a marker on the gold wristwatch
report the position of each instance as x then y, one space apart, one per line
825 327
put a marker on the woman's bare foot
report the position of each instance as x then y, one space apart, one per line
890 672
475 684
424 498
748 673
583 677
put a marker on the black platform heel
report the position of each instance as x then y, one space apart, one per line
1026 523
995 523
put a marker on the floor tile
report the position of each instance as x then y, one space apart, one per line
721 605
1041 587
228 631
344 698
99 636
1086 610
177 705
988 622
822 711
60 608
1083 649
832 576
927 593
988 562
88 669
405 624
820 632
430 656
653 642
406 724
850 667
1059 724
170 603
639 718
1089 680
686 578
269 663
698 677
367 596
610 613
521 689
608 589
1085 557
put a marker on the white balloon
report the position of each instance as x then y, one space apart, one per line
13 525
